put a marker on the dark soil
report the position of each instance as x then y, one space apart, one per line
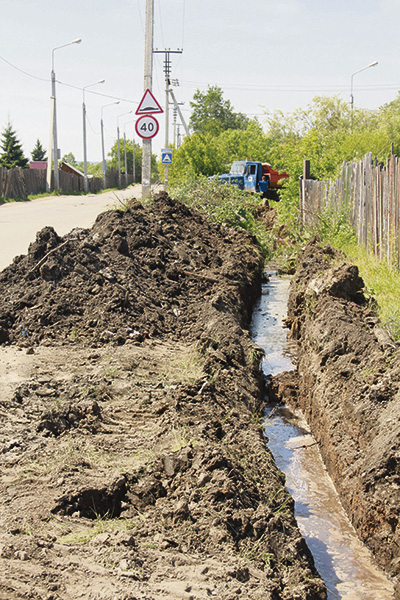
348 385
133 463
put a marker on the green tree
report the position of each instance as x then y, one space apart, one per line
70 159
38 153
212 114
12 155
113 162
208 154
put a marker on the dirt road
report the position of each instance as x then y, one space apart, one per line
19 221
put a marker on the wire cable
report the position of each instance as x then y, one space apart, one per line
24 72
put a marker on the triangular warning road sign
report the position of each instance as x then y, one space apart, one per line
148 105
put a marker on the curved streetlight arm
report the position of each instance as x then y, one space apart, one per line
105 106
373 64
123 114
77 41
90 85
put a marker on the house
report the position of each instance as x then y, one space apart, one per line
63 166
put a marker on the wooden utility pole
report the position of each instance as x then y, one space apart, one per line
148 81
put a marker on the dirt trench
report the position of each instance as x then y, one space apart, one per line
133 462
347 383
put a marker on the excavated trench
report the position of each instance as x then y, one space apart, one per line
348 568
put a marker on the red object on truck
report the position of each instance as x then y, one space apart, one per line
273 176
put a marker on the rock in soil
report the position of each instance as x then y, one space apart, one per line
133 465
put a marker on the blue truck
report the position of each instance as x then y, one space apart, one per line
255 177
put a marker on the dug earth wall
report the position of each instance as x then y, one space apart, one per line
347 384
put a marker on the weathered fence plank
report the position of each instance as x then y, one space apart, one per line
19 183
370 194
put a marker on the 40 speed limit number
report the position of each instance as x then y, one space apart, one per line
147 127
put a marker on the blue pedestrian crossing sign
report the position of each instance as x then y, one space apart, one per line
166 156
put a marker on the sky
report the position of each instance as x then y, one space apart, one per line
266 55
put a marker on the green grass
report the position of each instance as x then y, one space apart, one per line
382 282
104 524
225 204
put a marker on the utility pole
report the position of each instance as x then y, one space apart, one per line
167 73
175 114
186 128
148 81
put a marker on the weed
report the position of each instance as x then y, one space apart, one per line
256 356
255 553
185 368
103 524
74 335
224 204
110 371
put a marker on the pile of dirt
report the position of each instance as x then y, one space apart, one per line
133 463
137 273
348 386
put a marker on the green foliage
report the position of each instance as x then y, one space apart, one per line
212 114
207 154
38 153
225 204
326 133
12 155
334 228
94 169
113 162
382 282
70 159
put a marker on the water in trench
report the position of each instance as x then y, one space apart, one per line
345 564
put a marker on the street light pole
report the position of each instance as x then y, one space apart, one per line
104 164
52 151
119 149
85 177
373 64
125 162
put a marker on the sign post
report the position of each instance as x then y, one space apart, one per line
147 127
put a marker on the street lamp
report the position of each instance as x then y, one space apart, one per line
119 150
53 150
102 141
373 64
85 177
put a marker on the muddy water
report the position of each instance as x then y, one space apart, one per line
347 567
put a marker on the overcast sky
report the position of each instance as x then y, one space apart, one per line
264 54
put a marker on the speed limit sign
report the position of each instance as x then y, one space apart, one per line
147 127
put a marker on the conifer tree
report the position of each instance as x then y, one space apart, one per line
38 153
12 155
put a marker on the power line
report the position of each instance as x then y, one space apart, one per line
22 71
70 85
289 88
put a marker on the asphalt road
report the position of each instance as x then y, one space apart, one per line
20 221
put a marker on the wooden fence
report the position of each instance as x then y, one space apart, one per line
19 183
369 193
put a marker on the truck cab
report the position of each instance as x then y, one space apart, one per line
247 175
254 177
